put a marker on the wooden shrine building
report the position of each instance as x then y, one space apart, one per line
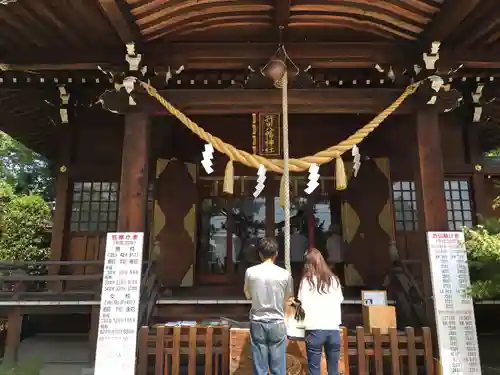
125 164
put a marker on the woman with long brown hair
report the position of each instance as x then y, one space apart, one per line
321 296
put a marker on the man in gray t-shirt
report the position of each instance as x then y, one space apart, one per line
268 286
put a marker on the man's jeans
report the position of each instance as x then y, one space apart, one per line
316 341
268 347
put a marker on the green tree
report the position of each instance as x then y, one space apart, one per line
26 171
24 215
23 227
483 246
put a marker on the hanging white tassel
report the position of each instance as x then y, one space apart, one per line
208 155
313 178
356 160
261 179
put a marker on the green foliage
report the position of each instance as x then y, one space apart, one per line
493 153
30 367
483 246
26 171
6 195
23 215
23 226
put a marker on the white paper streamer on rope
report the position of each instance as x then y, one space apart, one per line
261 179
313 178
132 58
63 110
476 97
129 84
431 58
208 155
356 160
436 83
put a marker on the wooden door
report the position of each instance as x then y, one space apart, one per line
173 234
368 225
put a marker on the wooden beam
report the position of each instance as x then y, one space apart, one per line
450 15
368 101
220 56
122 20
282 12
132 203
213 55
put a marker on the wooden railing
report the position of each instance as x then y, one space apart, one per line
395 353
164 350
19 279
219 350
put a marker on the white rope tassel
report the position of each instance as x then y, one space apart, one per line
286 171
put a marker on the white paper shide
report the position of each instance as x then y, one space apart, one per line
117 336
456 325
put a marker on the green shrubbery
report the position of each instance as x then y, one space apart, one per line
483 246
23 226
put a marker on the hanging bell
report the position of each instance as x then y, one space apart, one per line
275 70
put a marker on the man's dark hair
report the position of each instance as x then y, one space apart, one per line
268 247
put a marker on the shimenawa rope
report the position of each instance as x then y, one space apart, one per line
276 165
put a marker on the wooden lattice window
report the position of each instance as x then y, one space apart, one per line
458 204
405 205
94 206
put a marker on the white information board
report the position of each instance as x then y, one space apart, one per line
374 297
456 325
117 335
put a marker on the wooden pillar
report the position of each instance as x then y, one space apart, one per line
14 325
430 187
132 204
94 328
63 200
482 206
431 171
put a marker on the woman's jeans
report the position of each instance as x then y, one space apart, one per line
268 347
316 341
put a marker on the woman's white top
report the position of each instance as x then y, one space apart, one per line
322 311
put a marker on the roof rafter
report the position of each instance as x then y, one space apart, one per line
450 15
122 20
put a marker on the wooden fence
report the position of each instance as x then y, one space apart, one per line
202 350
221 351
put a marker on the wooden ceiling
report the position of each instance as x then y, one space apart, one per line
232 34
194 20
76 34
45 27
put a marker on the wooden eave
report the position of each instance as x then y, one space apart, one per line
211 34
68 39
